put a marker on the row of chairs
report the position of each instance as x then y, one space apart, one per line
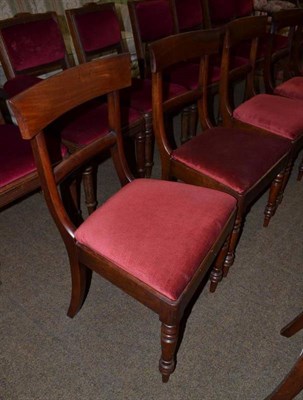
99 26
255 145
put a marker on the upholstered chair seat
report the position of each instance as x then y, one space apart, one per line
19 83
235 158
293 88
18 172
113 231
268 112
90 121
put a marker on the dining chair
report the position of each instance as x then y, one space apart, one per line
235 161
96 31
152 20
292 384
155 240
277 115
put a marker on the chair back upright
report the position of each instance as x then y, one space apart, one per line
32 44
151 20
290 22
243 30
170 51
95 30
44 102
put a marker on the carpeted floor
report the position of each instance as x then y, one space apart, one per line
231 349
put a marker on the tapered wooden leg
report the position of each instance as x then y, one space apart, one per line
217 271
149 145
185 116
293 327
287 172
229 260
81 279
140 154
272 203
300 174
291 385
89 189
169 339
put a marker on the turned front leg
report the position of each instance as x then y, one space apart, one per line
273 202
169 339
217 271
229 260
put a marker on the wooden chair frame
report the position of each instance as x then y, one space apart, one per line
99 77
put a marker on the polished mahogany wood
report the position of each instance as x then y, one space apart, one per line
39 106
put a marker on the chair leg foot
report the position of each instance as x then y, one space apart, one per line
230 258
169 340
81 279
217 271
272 203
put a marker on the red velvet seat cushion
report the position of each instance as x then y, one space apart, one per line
275 114
139 95
187 74
16 158
90 121
158 231
236 158
293 88
34 43
18 84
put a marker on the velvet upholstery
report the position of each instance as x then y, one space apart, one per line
155 19
189 14
244 8
165 259
293 88
21 82
222 11
33 44
280 43
139 95
236 158
98 29
16 157
90 121
268 112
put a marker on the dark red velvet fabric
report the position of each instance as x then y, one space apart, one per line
16 157
139 95
243 50
34 43
98 30
18 84
244 8
293 88
275 114
155 19
90 121
222 11
236 158
189 13
158 231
